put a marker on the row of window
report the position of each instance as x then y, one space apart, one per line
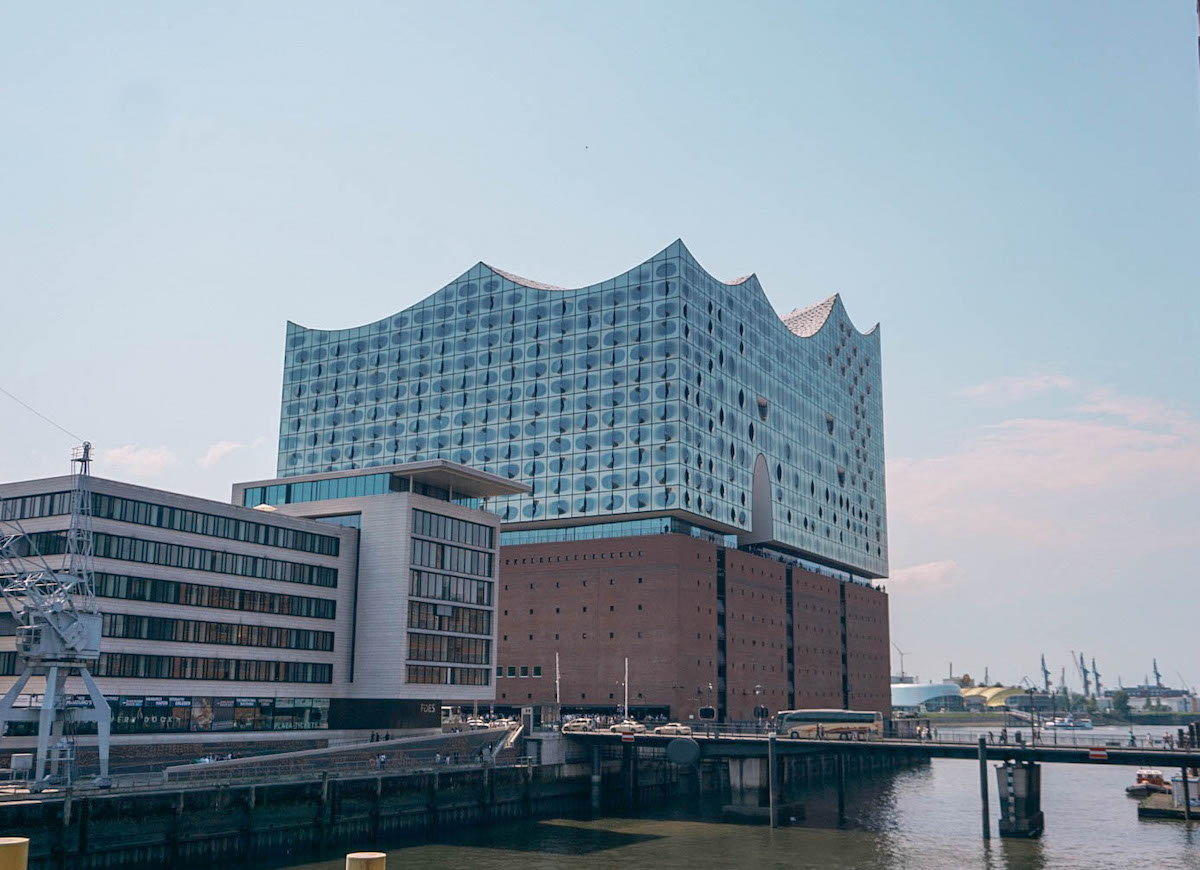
431 554
138 627
183 520
429 674
443 648
320 490
429 584
446 617
134 714
200 595
126 549
451 529
126 510
618 529
522 670
151 667
353 486
138 714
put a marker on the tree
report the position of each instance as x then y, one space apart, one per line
965 681
1120 701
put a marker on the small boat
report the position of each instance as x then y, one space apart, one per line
1069 722
1149 781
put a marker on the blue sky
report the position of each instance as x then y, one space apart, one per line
1010 189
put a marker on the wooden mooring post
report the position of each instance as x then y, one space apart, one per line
983 788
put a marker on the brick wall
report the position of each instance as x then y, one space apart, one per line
654 599
756 633
868 649
650 598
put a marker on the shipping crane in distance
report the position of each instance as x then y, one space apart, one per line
1157 675
1045 674
1081 667
1096 677
58 630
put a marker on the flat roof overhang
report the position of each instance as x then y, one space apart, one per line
460 479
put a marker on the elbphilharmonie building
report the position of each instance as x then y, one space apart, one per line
663 399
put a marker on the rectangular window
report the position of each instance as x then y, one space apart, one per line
129 588
443 648
445 617
155 667
142 513
108 546
161 628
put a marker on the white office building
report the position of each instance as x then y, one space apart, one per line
354 601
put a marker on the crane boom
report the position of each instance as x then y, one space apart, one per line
53 601
1081 669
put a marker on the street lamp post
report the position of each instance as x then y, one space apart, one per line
624 684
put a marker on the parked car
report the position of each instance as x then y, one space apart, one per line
628 727
476 723
581 724
673 728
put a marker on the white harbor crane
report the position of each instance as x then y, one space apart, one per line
58 628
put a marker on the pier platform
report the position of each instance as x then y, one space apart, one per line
1162 806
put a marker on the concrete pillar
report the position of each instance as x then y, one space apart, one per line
841 787
1020 795
629 766
597 775
748 777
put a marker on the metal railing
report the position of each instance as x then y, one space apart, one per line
1011 736
280 774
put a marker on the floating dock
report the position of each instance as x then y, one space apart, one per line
1163 806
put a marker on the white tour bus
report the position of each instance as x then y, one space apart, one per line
833 724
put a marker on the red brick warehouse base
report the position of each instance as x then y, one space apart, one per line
657 599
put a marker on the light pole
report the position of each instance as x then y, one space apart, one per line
625 685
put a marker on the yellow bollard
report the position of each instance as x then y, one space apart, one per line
14 853
354 861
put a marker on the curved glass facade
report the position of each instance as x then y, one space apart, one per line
660 390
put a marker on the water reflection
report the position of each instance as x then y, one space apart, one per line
924 817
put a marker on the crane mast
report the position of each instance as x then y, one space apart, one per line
53 601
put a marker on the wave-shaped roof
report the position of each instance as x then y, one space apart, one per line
803 322
806 322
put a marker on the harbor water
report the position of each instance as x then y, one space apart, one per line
925 817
